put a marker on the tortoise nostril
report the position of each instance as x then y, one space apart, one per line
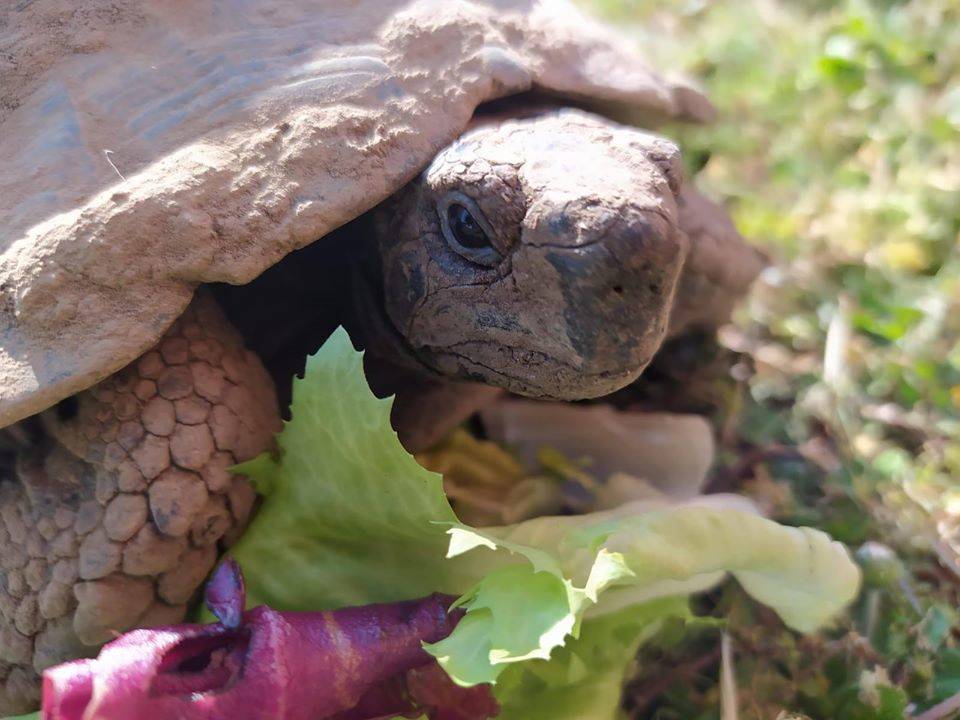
618 289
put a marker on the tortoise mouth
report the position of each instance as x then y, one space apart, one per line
529 373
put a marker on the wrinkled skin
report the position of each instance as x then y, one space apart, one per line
116 503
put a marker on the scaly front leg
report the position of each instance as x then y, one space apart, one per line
120 498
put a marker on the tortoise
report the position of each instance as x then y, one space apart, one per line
195 195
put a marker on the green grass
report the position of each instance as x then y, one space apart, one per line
838 151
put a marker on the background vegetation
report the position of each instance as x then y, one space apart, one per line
837 151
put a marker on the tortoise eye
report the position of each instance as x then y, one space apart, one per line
466 230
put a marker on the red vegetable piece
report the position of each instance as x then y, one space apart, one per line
225 594
424 690
441 698
349 664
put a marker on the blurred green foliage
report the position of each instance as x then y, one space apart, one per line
837 149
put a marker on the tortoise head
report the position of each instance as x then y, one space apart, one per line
538 255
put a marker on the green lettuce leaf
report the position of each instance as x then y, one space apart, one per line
583 679
349 517
603 561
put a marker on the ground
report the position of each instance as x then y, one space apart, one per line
836 151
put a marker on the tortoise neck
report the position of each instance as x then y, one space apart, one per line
366 319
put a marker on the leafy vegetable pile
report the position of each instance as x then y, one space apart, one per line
553 609
349 517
